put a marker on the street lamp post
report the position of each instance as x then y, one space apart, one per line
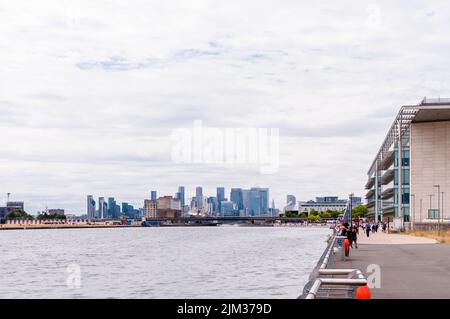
414 211
439 207
420 212
350 210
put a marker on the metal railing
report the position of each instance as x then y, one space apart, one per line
325 282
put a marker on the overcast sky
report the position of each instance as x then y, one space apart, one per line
91 91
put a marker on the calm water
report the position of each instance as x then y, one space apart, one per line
166 262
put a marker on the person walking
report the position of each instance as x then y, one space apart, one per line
355 236
368 229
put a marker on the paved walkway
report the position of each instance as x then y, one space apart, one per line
411 267
381 238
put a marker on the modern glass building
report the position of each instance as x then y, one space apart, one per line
90 207
199 197
236 198
153 195
411 171
220 197
113 208
229 209
181 195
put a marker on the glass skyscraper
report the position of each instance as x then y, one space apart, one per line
237 198
199 197
181 196
220 197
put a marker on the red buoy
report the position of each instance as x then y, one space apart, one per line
363 292
347 247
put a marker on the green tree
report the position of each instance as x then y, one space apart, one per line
335 214
313 212
18 214
44 216
360 211
288 214
302 215
325 214
314 218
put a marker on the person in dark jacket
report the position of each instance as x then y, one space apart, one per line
368 229
354 233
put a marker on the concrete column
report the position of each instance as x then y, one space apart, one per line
376 191
399 174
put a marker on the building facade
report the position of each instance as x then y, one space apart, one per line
410 175
220 197
150 208
90 207
168 207
10 207
322 204
236 198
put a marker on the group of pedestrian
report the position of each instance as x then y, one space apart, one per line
372 227
351 232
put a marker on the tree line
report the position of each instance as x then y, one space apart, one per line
20 214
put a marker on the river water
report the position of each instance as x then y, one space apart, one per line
160 262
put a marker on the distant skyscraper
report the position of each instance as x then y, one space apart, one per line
254 203
237 198
228 209
113 208
212 205
181 195
220 197
258 202
199 197
153 195
90 207
246 199
101 208
264 200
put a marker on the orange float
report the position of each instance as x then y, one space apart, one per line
347 247
363 292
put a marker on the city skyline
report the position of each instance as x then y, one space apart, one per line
92 108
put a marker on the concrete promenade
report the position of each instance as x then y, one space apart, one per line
411 267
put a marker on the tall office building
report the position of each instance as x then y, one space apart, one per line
264 194
237 198
199 197
181 195
258 201
113 208
90 207
101 208
153 195
254 204
409 175
228 209
246 200
128 210
220 197
212 205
